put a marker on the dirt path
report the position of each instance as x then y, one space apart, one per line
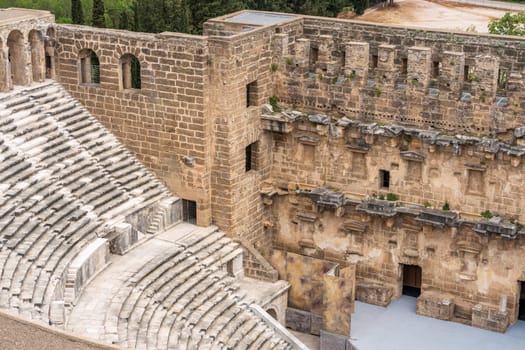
420 13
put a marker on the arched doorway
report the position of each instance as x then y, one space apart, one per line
37 55
16 57
272 312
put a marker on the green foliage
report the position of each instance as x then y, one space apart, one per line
98 19
391 197
274 67
273 102
77 15
509 24
381 197
351 75
446 206
407 138
427 204
487 214
377 92
289 61
173 15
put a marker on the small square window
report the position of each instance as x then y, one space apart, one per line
384 178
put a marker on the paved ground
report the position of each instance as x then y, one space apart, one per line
399 328
310 340
420 13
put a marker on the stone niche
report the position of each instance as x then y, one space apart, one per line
469 252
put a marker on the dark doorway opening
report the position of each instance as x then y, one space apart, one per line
521 305
189 211
411 280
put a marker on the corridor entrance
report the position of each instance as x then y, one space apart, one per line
411 280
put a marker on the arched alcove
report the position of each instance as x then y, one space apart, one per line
89 67
36 43
130 72
49 45
4 86
16 57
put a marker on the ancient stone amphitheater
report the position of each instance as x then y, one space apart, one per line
72 197
171 191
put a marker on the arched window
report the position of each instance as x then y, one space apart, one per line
16 57
130 72
89 67
37 55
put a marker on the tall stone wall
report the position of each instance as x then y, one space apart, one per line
240 83
165 122
320 200
454 81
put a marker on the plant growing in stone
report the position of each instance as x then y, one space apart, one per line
427 204
351 75
392 197
289 61
377 92
446 206
274 67
487 214
273 100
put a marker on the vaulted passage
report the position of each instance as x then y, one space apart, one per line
17 61
37 55
411 280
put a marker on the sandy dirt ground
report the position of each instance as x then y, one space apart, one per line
425 14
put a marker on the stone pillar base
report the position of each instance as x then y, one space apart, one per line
331 341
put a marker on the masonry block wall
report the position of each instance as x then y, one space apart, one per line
452 81
165 121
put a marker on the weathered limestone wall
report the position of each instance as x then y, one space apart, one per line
471 175
462 262
452 81
236 62
165 123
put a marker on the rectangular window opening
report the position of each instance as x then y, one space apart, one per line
375 61
384 178
404 66
466 73
250 157
314 55
251 94
502 78
436 69
189 211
